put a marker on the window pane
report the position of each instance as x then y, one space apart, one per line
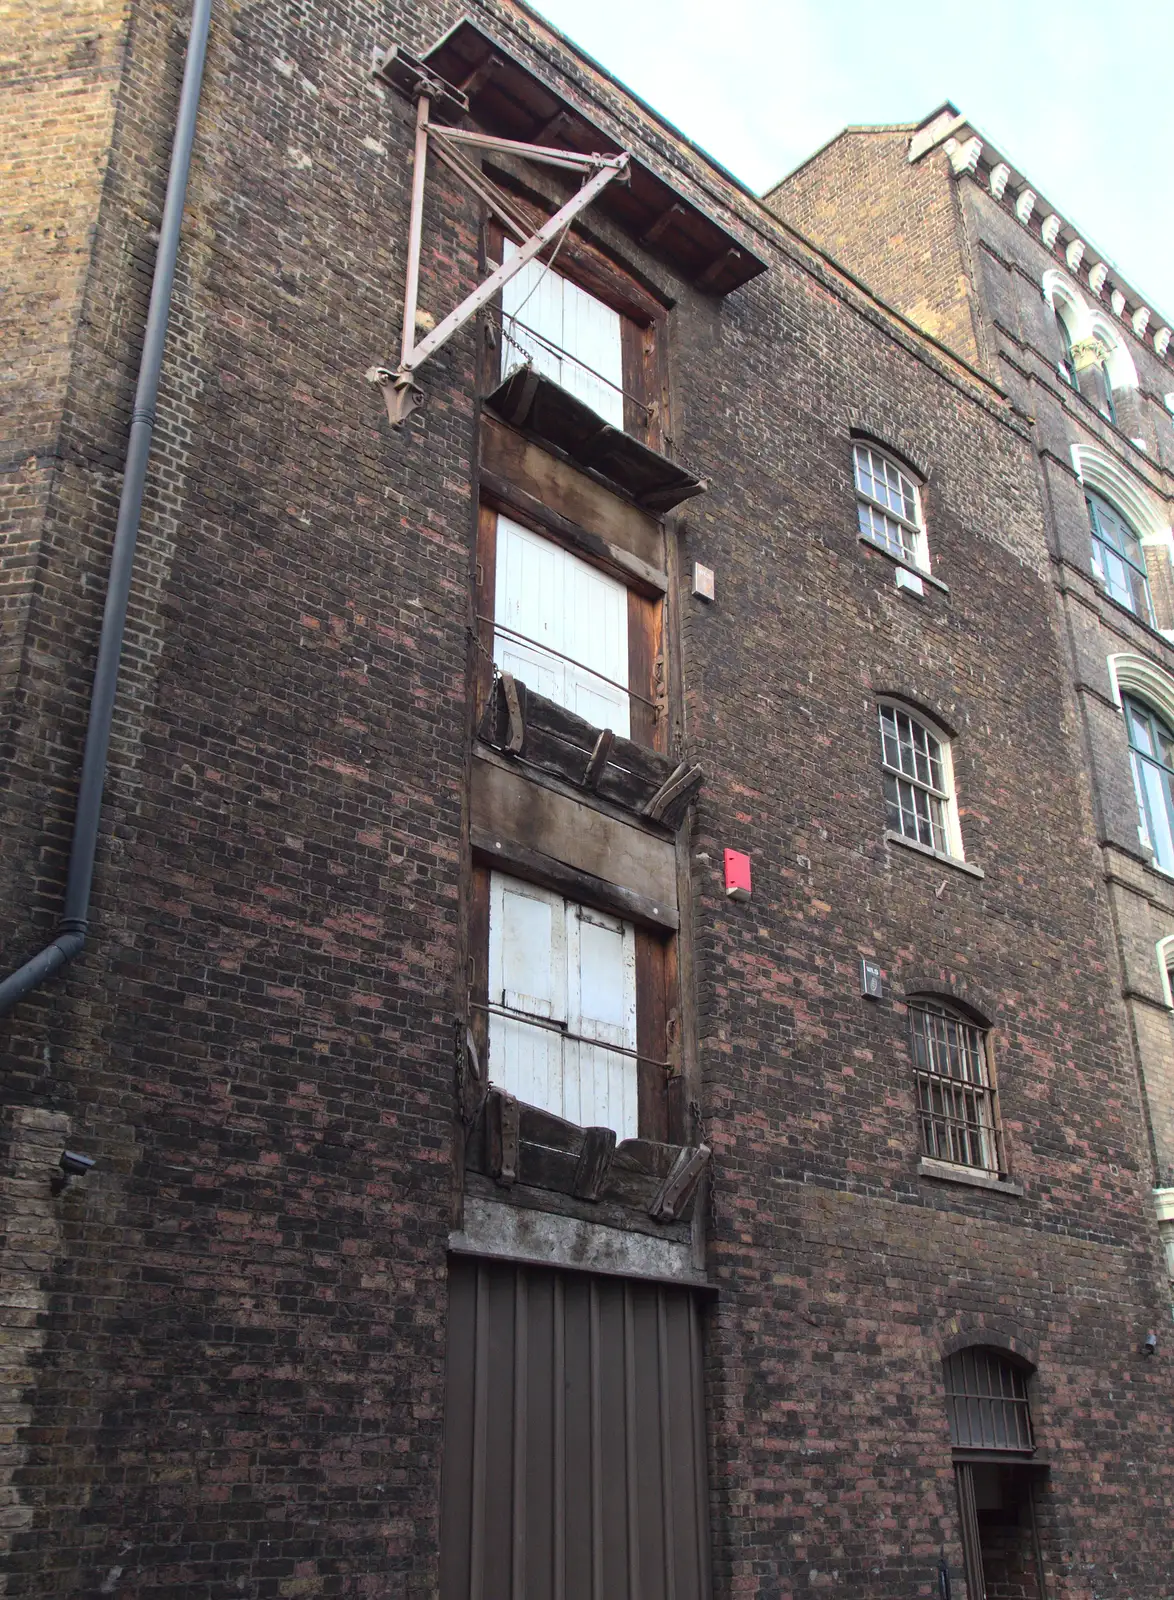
953 1094
986 1402
1156 783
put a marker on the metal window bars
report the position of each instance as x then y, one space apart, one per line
955 1096
986 1402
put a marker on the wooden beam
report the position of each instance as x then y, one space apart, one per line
594 1162
501 491
598 758
515 698
669 803
680 1185
727 258
662 224
510 855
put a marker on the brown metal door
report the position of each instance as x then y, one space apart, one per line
574 1450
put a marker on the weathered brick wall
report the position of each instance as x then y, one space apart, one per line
239 1379
894 226
59 81
239 1383
831 1435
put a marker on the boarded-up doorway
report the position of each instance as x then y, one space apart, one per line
574 1454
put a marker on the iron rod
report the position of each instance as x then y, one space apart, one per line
415 228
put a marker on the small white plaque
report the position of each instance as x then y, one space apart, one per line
909 580
702 581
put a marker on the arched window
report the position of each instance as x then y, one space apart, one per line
888 507
1151 755
1117 557
1066 366
955 1094
1100 380
918 782
986 1401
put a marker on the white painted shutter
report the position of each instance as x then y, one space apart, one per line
545 596
527 974
577 325
599 1086
550 958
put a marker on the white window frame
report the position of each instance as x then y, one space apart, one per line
1147 769
942 798
543 1048
891 519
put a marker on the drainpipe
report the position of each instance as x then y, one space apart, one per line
71 932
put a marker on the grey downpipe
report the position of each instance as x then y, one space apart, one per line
71 933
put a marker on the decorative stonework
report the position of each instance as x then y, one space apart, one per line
955 136
963 157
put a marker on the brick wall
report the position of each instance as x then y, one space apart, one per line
895 226
238 1385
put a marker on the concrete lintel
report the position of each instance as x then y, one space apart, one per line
515 1233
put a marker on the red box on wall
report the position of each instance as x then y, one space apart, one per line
737 875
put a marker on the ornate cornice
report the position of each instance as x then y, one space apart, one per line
972 156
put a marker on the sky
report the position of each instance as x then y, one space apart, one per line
1079 96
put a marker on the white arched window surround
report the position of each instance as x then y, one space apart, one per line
1099 471
1145 683
1066 301
1165 951
1090 322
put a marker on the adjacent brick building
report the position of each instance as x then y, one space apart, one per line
955 236
485 1200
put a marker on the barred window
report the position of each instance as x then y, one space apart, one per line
955 1096
918 783
986 1400
888 507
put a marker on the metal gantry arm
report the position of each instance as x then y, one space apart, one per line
399 387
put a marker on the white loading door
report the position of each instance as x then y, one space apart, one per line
567 334
562 627
554 961
527 976
599 1085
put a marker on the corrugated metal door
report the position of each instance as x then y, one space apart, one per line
545 596
559 962
574 1463
568 323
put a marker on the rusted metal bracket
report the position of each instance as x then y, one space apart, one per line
400 391
503 1114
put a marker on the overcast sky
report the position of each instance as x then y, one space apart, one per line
1078 95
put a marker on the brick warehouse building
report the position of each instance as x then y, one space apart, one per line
485 1200
1010 284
